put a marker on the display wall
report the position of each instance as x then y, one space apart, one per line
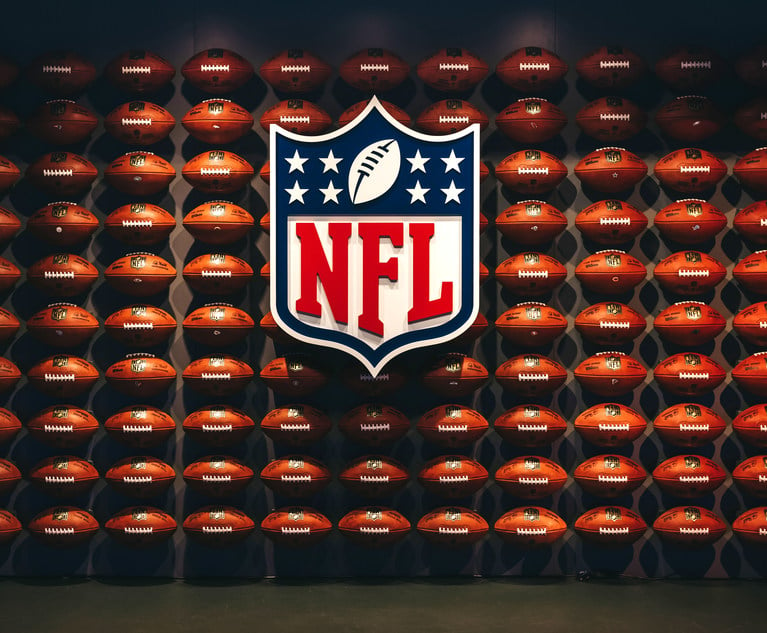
177 31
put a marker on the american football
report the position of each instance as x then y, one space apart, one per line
611 169
296 425
610 425
61 72
218 375
531 120
689 374
688 476
141 375
751 118
531 69
609 476
218 526
64 476
140 224
531 222
530 426
610 272
218 425
751 373
374 425
139 71
455 375
140 325
690 221
690 170
218 476
751 323
62 325
689 323
139 123
611 119
218 324
610 323
531 375
611 222
531 172
374 70
139 173
218 171
610 374
452 426
751 170
296 526
450 115
373 526
689 526
140 274
688 425
140 426
217 70
296 476
452 527
530 273
689 273
140 477
217 274
530 526
63 376
217 121
452 70
61 174
452 476
63 526
296 115
295 375
374 476
611 526
62 224
751 222
611 67
295 70
690 68
531 477
62 122
140 526
531 324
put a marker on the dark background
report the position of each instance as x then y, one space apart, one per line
176 30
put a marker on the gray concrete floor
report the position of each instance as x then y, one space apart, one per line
532 605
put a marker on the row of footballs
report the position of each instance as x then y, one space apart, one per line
690 119
374 526
608 374
527 69
377 425
528 172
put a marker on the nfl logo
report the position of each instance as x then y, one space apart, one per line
374 240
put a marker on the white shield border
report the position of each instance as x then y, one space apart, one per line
374 103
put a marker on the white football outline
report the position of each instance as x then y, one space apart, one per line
374 103
382 159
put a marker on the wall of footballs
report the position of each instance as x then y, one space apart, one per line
617 462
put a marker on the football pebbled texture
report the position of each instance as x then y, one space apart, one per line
218 526
452 526
751 323
63 376
62 174
218 171
374 425
611 67
688 425
449 116
689 374
530 526
374 527
63 526
141 375
10 476
452 70
139 173
140 426
296 476
609 476
218 324
531 222
531 120
610 425
690 119
531 69
296 115
689 273
751 222
9 426
140 477
140 274
751 476
9 325
690 68
62 122
751 170
296 425
62 325
63 476
530 477
610 271
140 325
295 70
217 273
610 526
688 476
610 323
297 526
218 425
611 169
530 426
610 373
751 425
690 170
61 72
690 221
689 526
452 476
374 70
139 224
9 174
10 527
751 272
751 373
139 123
62 224
689 323
62 275
294 375
455 375
531 375
218 476
9 224
611 222
140 526
751 118
218 375
751 526
611 119
217 70
531 324
218 222
62 426
9 374
217 121
452 426
530 273
139 71
374 476
531 172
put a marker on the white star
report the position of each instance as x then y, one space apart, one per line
330 163
418 192
296 193
452 162
331 193
452 192
296 163
418 162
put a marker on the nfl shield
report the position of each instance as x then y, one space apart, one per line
374 236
